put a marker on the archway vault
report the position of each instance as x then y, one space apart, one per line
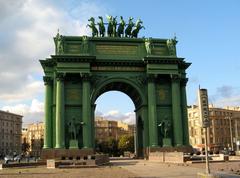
127 86
146 69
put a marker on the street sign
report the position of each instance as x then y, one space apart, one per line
203 107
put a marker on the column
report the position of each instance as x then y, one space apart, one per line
152 112
60 108
184 111
86 112
48 112
176 111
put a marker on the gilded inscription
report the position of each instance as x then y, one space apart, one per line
73 48
116 49
159 51
117 68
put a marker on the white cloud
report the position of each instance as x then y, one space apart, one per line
129 118
32 113
27 30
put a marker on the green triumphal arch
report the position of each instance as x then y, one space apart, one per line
146 69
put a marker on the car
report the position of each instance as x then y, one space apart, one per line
11 158
228 152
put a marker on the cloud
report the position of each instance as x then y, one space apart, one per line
129 118
32 113
225 91
27 30
225 95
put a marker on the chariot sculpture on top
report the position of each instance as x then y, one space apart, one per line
115 29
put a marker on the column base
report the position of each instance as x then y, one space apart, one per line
46 147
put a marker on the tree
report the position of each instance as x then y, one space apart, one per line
126 143
25 147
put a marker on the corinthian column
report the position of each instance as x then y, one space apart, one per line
60 138
184 111
48 112
86 112
152 112
176 111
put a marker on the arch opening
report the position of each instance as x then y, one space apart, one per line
122 110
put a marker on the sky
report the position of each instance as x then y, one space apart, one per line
207 32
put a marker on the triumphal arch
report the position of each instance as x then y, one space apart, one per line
146 69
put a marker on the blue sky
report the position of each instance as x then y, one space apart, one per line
207 31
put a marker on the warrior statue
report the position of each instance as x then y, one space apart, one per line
59 43
128 30
148 46
114 27
165 126
93 27
121 26
84 45
101 27
138 26
171 44
72 128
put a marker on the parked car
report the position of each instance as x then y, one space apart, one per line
11 158
228 152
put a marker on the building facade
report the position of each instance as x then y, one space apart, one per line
10 133
34 135
105 129
224 130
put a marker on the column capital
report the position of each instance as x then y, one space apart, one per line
184 81
151 77
60 76
85 76
175 78
47 80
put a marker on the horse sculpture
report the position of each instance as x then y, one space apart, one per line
121 26
114 26
101 27
110 26
128 30
93 27
138 26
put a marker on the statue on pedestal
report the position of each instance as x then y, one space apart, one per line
165 127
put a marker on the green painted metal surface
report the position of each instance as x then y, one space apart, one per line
147 70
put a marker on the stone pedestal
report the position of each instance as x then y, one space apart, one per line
167 142
73 144
51 164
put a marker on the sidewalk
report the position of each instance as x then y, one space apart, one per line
146 169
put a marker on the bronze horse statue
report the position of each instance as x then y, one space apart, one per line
101 27
138 26
114 26
110 26
128 30
93 27
121 26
